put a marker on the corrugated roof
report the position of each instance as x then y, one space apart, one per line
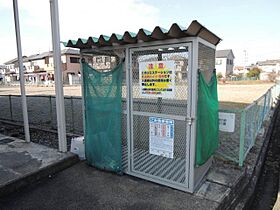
195 29
223 53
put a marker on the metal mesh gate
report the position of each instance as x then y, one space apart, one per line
170 171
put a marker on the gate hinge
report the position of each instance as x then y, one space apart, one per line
190 120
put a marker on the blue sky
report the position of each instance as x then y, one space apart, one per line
243 25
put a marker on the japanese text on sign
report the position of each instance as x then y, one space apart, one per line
161 139
157 79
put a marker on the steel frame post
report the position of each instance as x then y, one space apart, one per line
60 109
21 73
242 138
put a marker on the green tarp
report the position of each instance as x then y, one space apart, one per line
103 117
207 119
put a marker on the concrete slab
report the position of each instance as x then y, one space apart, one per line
22 163
213 191
84 187
225 174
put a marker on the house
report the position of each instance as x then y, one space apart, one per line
269 66
70 59
2 73
12 70
224 62
39 68
103 62
241 70
270 69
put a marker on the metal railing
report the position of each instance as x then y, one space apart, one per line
248 122
233 146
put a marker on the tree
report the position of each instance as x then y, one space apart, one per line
254 72
219 75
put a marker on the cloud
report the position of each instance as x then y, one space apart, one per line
77 19
92 18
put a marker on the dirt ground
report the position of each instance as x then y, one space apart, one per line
229 92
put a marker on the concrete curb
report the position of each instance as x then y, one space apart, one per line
33 178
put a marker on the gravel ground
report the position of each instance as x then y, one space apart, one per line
42 112
47 138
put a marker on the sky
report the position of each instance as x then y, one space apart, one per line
243 25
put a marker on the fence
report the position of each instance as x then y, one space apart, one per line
248 122
233 146
241 78
42 111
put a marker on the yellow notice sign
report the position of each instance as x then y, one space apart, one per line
157 79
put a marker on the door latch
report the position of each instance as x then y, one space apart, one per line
190 120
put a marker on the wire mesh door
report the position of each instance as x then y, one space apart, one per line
159 92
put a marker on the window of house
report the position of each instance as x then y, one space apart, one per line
74 60
98 59
47 60
229 61
107 59
218 61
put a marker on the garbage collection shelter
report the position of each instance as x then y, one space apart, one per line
150 103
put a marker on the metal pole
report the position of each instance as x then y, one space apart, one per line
72 114
11 108
60 109
21 73
51 111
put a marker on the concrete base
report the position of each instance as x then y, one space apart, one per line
24 163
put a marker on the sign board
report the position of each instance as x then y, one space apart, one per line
226 122
161 140
157 79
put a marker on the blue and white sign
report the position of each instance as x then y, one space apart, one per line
161 140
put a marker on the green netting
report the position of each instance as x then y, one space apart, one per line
103 117
207 119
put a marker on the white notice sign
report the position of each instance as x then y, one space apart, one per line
226 122
161 137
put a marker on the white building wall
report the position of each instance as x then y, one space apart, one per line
28 66
221 66
39 63
270 68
